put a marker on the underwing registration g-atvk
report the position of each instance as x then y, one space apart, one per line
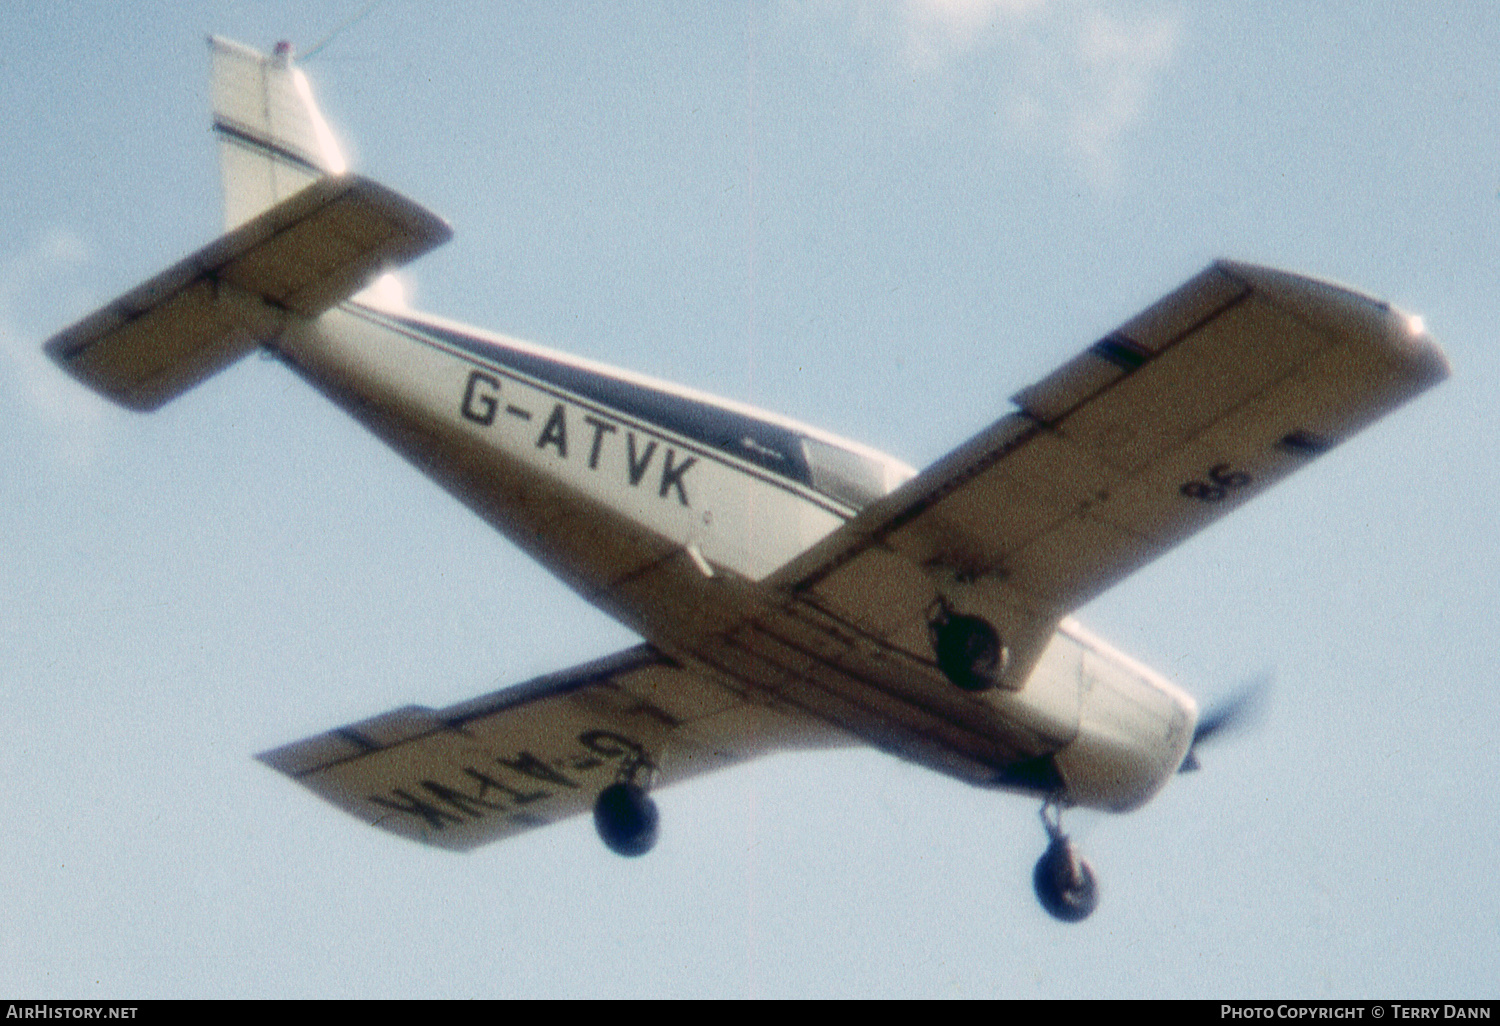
792 589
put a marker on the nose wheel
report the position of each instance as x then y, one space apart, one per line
1064 881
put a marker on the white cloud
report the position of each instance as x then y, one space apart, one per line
1115 64
933 32
37 278
1072 74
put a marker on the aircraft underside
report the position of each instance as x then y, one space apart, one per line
794 589
824 679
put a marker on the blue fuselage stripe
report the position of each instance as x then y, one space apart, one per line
265 147
767 446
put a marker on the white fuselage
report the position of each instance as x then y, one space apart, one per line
667 508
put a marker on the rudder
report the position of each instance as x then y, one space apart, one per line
273 141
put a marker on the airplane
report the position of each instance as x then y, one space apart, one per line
793 590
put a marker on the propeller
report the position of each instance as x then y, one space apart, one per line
1235 713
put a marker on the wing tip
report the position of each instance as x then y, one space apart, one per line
1345 310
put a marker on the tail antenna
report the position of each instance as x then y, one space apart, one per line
310 54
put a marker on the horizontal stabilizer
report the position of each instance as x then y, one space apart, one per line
302 256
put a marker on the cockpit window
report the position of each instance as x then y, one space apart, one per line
850 476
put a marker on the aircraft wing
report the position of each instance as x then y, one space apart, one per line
538 752
1205 399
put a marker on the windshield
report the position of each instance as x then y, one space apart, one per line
852 477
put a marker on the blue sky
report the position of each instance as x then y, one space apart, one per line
882 219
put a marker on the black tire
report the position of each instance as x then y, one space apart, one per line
626 819
968 651
1065 897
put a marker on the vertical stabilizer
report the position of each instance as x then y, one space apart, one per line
273 142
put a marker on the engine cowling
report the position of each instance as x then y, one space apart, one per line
1134 728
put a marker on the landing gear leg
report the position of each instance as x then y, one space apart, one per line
1064 881
624 813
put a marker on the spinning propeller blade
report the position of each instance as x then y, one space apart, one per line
1235 713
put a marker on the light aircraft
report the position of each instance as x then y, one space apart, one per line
793 590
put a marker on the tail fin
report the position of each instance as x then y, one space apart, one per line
273 142
303 237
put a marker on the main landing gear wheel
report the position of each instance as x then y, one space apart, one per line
1064 881
968 648
626 819
624 813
